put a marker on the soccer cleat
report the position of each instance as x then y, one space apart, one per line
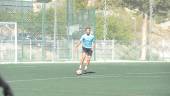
84 71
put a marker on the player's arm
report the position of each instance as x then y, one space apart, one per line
78 44
93 44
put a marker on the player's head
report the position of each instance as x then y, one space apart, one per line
88 30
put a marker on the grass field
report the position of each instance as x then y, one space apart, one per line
117 79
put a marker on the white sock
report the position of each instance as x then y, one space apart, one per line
85 68
80 66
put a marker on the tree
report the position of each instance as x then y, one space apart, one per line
118 27
160 11
80 4
160 7
32 23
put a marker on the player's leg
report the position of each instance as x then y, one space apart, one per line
88 58
82 58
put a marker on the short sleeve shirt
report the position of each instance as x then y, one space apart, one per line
87 40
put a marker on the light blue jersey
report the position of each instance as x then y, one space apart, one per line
87 40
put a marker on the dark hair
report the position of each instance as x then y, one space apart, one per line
87 28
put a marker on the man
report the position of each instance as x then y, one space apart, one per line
6 88
87 40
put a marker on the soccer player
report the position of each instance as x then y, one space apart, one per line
88 44
6 88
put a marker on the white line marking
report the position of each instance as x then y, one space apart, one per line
126 75
77 62
150 73
26 66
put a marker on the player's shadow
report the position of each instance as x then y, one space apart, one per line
89 72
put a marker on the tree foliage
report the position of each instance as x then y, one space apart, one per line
161 8
80 4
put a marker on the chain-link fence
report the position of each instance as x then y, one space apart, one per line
47 30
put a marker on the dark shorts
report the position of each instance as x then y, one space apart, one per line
88 51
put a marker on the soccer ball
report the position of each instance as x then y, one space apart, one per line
78 72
